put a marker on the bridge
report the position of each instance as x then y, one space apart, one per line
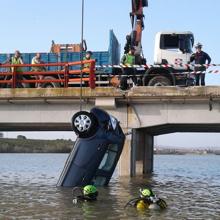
145 111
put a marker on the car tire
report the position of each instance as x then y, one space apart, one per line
159 81
84 124
50 84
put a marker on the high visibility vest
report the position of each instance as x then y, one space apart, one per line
15 61
129 59
86 65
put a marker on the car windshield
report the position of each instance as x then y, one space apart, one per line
109 158
106 165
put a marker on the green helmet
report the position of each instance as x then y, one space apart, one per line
90 191
146 192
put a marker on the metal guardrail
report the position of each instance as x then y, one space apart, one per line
13 78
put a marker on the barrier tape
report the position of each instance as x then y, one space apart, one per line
158 66
186 73
199 72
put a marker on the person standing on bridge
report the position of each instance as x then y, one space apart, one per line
37 60
128 60
200 57
87 57
15 60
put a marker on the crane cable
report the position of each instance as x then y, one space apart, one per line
81 55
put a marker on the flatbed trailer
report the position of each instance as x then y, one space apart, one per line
107 67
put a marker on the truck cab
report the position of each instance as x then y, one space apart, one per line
173 47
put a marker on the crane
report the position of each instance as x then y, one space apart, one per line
137 23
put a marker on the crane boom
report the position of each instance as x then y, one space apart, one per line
137 23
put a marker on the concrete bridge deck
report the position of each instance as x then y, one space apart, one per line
140 107
147 111
136 94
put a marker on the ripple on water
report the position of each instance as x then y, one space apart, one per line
188 184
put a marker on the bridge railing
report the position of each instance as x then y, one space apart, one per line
15 76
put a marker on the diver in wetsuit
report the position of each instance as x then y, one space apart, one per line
147 200
87 194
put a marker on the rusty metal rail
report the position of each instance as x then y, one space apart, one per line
10 77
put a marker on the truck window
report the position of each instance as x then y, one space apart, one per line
168 41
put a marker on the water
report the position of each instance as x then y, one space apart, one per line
189 183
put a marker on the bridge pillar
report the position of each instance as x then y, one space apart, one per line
141 152
148 156
137 154
125 159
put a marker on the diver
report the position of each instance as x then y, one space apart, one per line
87 194
147 200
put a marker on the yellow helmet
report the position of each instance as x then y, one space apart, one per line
90 191
146 193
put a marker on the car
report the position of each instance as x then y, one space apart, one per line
96 151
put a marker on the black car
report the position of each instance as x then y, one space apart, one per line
96 151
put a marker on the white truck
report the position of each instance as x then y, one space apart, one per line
172 50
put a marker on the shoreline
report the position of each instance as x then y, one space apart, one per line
13 145
23 145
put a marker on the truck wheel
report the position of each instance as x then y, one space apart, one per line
50 84
84 124
159 81
19 85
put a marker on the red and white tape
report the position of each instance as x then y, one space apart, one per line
158 66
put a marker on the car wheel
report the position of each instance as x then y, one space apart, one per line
159 81
50 84
84 124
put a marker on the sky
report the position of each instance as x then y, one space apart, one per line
30 26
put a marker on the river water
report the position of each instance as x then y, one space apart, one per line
189 183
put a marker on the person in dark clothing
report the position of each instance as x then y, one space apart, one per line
127 46
200 57
147 200
87 194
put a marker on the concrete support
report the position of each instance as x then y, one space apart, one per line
125 159
148 154
133 152
141 152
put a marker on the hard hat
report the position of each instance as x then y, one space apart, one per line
198 45
90 190
146 192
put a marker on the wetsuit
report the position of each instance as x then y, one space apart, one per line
83 199
147 201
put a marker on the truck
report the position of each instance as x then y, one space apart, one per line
65 53
172 51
